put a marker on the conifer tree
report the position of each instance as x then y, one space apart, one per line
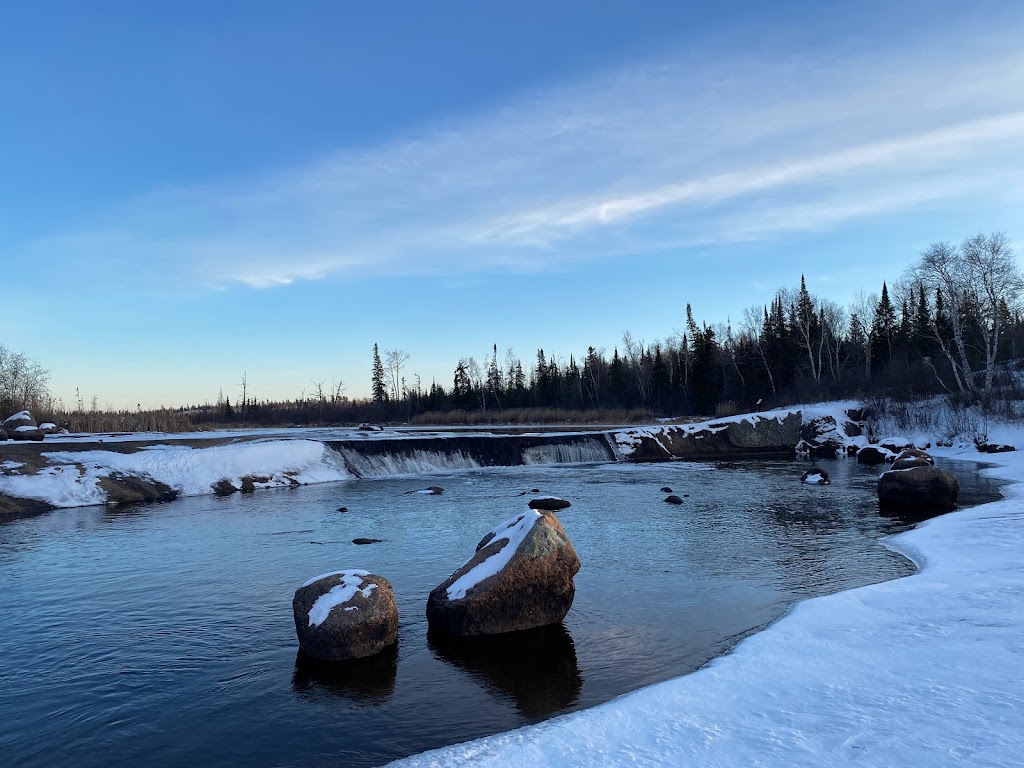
380 390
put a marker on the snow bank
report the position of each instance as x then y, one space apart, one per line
924 670
73 478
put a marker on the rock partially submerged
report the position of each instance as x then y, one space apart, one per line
550 503
131 489
815 476
872 454
345 615
673 499
364 540
519 578
918 487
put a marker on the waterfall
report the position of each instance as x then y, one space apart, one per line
435 454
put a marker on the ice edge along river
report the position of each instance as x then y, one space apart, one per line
924 670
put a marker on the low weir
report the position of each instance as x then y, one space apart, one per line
422 455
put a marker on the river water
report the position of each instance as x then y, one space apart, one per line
162 634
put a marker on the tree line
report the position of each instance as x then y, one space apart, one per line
951 323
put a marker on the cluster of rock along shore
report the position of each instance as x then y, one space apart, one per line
520 577
21 426
912 482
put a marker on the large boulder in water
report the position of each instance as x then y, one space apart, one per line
345 615
918 487
519 578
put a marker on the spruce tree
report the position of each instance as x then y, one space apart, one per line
883 329
380 390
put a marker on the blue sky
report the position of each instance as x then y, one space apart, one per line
191 192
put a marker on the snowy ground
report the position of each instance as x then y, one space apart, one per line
922 671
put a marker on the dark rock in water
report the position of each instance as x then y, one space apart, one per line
369 680
536 667
673 500
3 436
366 427
923 486
666 489
550 503
224 487
345 615
435 489
366 541
128 489
519 578
535 490
871 455
343 509
686 495
815 476
994 448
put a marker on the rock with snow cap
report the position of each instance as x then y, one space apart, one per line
20 419
918 487
550 503
815 476
895 444
912 457
519 578
49 428
343 615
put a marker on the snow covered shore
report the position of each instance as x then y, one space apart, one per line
926 670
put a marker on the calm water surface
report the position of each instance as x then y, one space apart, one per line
163 633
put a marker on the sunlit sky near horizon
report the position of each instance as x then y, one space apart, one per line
194 190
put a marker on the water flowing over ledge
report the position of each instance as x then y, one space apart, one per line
86 470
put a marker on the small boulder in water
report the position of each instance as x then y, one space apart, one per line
366 541
519 578
550 503
872 455
224 487
673 500
666 489
815 476
343 509
430 490
345 615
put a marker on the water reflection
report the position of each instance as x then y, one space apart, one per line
367 681
536 667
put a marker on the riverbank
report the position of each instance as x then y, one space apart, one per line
921 670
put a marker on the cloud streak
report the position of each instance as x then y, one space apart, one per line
680 150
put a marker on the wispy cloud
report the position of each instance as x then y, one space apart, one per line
683 150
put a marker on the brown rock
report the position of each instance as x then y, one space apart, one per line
914 453
531 586
345 615
922 486
224 487
129 489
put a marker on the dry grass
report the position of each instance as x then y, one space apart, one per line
522 416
